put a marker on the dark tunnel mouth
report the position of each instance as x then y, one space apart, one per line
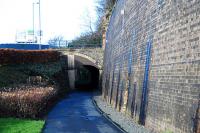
91 81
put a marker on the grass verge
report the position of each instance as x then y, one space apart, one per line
12 125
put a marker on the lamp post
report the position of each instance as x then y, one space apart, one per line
40 32
33 22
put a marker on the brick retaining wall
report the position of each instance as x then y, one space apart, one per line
170 76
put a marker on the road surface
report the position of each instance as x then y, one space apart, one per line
77 114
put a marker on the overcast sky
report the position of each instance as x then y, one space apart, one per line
58 17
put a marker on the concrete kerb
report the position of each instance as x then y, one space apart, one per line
106 116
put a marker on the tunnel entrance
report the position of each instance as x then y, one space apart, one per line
87 78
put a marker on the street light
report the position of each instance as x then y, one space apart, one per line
33 22
40 32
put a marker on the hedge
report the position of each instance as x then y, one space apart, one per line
11 56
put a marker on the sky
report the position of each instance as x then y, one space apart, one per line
65 18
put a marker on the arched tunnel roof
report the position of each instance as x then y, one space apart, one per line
83 60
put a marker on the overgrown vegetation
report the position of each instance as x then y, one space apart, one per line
9 76
92 36
87 40
12 75
104 10
26 101
11 125
28 88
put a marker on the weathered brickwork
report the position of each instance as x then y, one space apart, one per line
152 63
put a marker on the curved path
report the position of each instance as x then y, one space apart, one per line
77 114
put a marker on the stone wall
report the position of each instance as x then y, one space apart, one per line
75 59
95 54
152 63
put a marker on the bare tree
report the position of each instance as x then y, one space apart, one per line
94 30
88 22
56 41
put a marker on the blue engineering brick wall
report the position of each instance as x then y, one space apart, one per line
172 82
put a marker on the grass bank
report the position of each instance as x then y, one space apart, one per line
12 125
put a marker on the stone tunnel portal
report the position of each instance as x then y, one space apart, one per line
83 73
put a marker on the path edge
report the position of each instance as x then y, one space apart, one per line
106 115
